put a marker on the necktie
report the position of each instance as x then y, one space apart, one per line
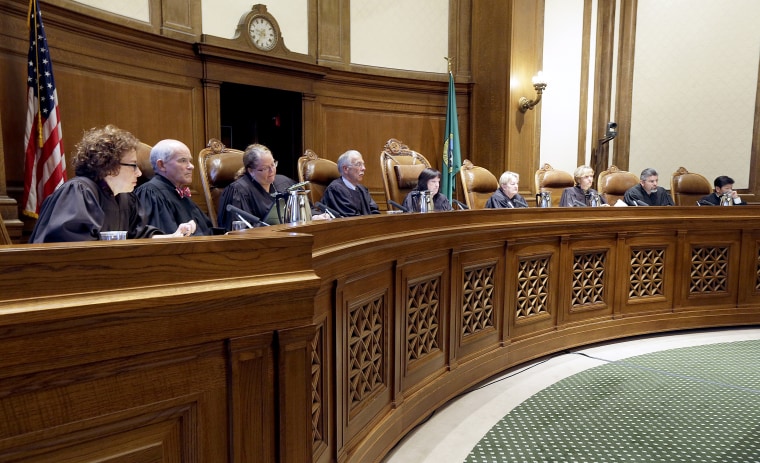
183 192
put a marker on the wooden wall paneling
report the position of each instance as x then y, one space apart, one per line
624 90
252 398
334 33
712 265
477 294
212 110
605 39
355 116
181 19
422 318
460 38
526 59
491 70
649 276
169 404
533 277
295 363
365 343
322 389
589 279
162 378
749 281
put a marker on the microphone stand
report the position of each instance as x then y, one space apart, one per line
597 163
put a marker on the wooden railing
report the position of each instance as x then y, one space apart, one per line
331 343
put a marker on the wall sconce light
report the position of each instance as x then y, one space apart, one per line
539 84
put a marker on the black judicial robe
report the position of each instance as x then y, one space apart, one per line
412 202
574 196
714 200
499 200
81 208
165 209
637 193
347 202
247 194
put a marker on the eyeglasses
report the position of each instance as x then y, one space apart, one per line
357 164
133 166
268 168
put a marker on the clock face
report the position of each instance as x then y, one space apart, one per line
263 34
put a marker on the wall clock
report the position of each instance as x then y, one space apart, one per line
263 33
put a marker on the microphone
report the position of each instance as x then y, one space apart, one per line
577 203
460 204
249 219
397 206
297 186
638 202
329 212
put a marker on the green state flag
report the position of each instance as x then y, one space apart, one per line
452 155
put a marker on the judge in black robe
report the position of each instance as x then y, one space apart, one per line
249 195
100 197
166 197
646 193
506 196
80 209
429 180
724 185
346 196
254 192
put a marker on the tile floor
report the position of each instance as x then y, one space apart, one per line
452 431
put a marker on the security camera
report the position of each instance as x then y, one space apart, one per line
611 129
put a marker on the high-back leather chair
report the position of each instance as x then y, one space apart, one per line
553 181
478 184
613 183
318 172
143 162
219 166
401 169
687 187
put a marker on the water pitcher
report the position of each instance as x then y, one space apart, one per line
297 209
544 199
426 201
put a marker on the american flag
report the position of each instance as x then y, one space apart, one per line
45 167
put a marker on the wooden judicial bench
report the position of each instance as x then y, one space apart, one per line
329 341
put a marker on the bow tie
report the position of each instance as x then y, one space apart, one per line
183 192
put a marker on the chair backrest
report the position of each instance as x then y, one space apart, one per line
143 162
401 169
478 184
553 181
219 166
318 172
613 183
687 188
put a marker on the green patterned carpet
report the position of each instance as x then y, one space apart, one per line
694 404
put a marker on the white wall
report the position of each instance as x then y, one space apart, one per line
694 86
695 83
563 23
135 9
400 34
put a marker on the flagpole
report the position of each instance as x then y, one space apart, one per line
33 11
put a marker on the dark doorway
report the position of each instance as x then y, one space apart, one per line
266 116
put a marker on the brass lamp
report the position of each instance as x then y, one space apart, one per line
539 84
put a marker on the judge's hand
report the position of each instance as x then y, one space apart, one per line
323 216
186 229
